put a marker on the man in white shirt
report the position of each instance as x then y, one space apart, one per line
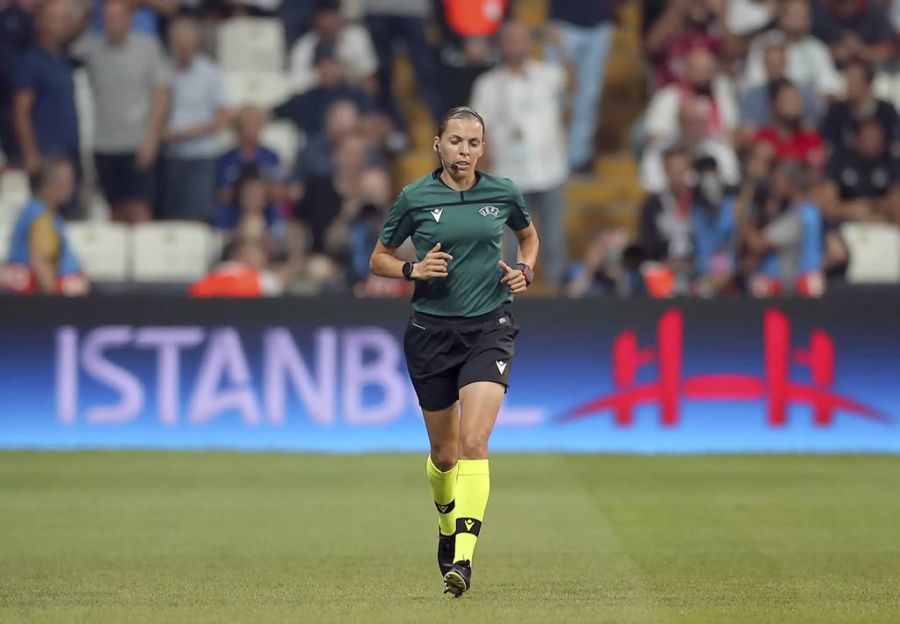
354 50
522 102
197 114
704 85
808 60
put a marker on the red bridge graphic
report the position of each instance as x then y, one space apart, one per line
774 386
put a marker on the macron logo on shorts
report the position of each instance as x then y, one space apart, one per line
436 213
501 366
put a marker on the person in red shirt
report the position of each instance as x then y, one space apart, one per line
684 26
243 273
787 135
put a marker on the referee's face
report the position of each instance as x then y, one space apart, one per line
462 144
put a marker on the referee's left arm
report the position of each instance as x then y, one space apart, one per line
528 245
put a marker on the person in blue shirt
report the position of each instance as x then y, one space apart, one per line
41 260
249 151
307 111
689 229
252 214
16 36
44 114
784 235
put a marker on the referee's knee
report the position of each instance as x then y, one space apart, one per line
444 456
473 446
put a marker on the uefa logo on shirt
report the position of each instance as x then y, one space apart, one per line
490 211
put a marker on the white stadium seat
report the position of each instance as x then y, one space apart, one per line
874 253
251 44
101 248
173 251
9 210
5 233
14 188
252 88
282 138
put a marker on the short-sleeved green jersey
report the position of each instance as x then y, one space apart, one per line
469 226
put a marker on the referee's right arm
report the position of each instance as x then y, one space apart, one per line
433 265
397 228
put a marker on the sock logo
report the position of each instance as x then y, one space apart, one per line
472 526
501 366
442 509
436 213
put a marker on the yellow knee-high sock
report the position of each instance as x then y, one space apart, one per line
473 486
443 490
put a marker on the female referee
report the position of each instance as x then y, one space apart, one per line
460 339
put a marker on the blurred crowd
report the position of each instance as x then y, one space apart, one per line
769 125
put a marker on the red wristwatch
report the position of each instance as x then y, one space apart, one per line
527 272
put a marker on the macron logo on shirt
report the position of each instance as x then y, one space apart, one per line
436 213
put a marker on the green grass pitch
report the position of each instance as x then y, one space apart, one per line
221 537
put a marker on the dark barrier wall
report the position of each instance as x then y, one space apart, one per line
329 375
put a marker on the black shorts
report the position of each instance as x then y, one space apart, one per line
121 180
443 354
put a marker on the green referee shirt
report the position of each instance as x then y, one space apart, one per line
469 227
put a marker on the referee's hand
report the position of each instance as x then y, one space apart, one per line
514 279
433 265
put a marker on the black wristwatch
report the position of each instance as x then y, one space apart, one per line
407 271
527 272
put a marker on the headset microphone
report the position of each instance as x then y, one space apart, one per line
452 166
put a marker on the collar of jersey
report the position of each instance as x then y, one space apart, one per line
436 176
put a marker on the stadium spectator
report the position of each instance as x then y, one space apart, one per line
197 114
130 83
40 257
252 215
521 102
146 20
329 205
684 26
358 232
352 45
403 21
602 270
843 119
45 118
586 29
789 138
249 152
697 141
17 27
686 232
244 272
854 29
465 47
317 159
756 101
307 111
863 179
783 235
808 59
702 84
